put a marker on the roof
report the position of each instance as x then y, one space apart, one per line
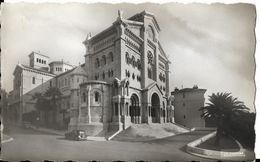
76 70
148 14
151 86
66 72
38 54
130 20
99 34
187 90
93 82
33 69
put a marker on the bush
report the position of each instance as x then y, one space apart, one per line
241 127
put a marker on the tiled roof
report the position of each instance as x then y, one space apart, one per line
34 69
77 70
60 62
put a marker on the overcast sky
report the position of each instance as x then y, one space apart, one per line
211 46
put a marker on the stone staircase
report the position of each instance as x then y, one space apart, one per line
144 132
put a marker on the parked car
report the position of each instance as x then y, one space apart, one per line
77 135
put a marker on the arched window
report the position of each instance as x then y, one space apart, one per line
97 97
150 57
111 56
97 62
133 61
127 88
138 62
84 97
96 76
103 75
150 32
127 57
33 80
104 60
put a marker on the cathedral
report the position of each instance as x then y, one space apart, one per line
124 80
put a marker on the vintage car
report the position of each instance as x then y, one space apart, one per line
77 135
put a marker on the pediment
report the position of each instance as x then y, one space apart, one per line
153 86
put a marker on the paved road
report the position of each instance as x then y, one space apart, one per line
34 145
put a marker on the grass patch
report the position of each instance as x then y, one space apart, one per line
226 144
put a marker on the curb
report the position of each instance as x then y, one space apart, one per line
212 154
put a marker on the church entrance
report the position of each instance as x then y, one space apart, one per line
155 109
134 109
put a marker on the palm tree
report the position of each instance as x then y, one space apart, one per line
53 94
222 107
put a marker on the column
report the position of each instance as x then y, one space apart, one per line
140 114
118 109
79 107
88 105
127 107
167 80
166 113
134 108
149 112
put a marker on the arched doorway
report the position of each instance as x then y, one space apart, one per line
134 109
155 110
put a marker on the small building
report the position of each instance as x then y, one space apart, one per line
186 106
39 61
58 67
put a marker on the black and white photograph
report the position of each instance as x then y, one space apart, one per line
124 81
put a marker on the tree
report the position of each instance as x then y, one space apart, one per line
242 128
41 105
53 94
223 107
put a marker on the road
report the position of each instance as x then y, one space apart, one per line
36 146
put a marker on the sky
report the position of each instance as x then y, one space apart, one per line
211 46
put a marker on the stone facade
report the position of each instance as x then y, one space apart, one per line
32 79
187 103
26 79
129 71
124 81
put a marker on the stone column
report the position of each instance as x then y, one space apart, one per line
166 113
118 109
149 118
128 112
167 80
79 111
140 114
134 109
88 105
